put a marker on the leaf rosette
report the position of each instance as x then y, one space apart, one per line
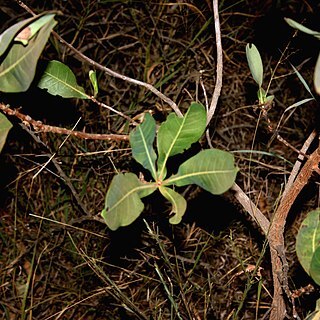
212 170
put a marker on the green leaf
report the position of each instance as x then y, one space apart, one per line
179 204
308 240
262 95
18 68
123 204
178 133
302 79
58 79
317 305
315 266
5 126
8 35
212 170
316 76
141 141
94 82
30 31
255 63
302 28
315 315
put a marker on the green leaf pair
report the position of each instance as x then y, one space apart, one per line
212 169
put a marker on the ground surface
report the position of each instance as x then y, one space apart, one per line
54 264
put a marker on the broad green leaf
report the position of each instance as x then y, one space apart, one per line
179 204
317 305
255 63
316 76
5 126
58 79
18 68
141 141
302 28
178 133
211 169
30 31
123 204
308 239
94 82
315 265
8 35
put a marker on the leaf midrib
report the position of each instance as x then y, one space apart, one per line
198 173
167 155
136 189
148 153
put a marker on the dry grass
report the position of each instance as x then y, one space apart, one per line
53 265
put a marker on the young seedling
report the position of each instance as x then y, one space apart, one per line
212 169
256 69
265 101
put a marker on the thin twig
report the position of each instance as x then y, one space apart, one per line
251 208
108 71
298 163
119 76
62 174
218 86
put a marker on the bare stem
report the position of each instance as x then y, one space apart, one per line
38 126
218 86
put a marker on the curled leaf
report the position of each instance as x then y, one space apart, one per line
179 204
17 69
8 35
30 31
94 82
